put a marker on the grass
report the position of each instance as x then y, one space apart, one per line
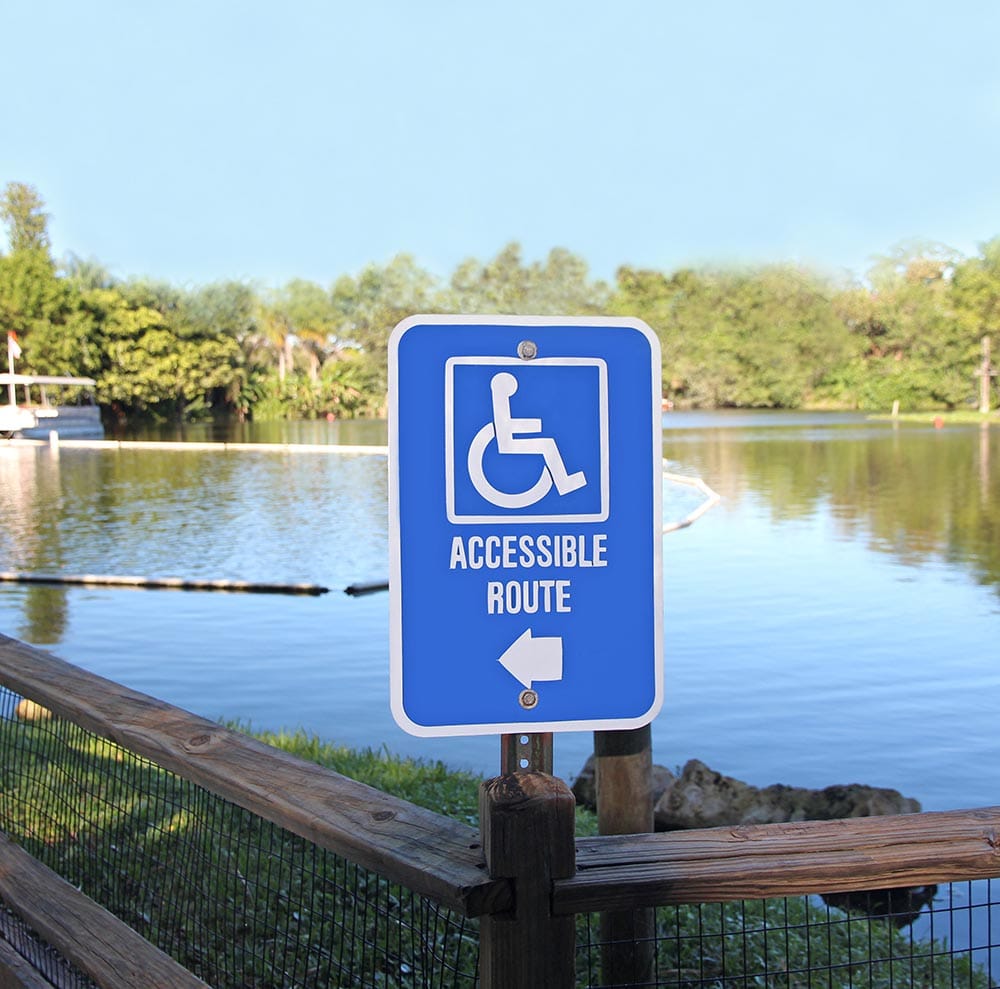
427 783
249 906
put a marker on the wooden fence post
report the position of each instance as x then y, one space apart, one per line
527 822
623 775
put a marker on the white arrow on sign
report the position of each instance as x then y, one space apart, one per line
528 659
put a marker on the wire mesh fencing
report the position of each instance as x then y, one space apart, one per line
921 938
237 900
242 902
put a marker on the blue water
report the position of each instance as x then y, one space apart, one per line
811 637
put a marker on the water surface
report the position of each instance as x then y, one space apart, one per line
834 620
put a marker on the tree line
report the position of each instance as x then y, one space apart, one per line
773 336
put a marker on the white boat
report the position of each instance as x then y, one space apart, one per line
50 404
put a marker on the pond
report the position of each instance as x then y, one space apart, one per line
834 620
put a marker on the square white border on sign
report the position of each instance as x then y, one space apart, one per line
508 517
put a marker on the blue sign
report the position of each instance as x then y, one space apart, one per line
525 510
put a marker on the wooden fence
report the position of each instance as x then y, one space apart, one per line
523 873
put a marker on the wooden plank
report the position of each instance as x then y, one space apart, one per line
95 941
759 861
431 854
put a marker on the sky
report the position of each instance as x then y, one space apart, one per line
201 140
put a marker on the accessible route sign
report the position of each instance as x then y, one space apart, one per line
525 472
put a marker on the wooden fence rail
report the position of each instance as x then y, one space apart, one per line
433 855
772 860
525 882
97 942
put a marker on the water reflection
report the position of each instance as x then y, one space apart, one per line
30 478
911 491
908 489
190 513
984 462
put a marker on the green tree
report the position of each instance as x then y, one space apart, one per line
21 209
678 308
348 385
561 285
154 366
793 339
367 307
976 295
31 294
913 347
297 319
276 332
34 302
227 310
86 273
68 340
311 313
29 291
760 338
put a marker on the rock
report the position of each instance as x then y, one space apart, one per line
857 800
585 785
663 780
703 798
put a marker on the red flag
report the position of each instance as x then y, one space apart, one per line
13 347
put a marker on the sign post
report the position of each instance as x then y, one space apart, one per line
525 524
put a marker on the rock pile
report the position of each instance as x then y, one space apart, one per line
702 798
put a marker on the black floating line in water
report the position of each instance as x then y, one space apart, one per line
163 583
369 587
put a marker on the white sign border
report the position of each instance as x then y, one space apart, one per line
395 562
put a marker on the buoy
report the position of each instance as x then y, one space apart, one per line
938 422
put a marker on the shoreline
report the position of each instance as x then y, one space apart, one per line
961 417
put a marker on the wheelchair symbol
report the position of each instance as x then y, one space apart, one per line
515 437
